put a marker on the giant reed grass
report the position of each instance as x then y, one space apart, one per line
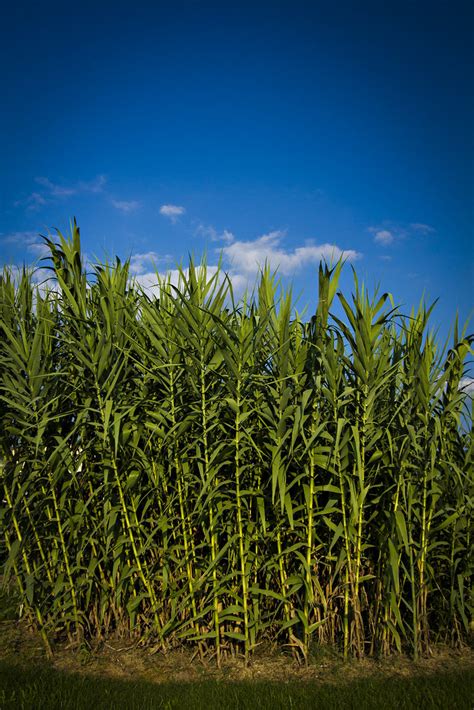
185 468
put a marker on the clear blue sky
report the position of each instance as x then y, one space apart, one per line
266 130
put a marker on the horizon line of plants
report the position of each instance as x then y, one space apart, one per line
185 468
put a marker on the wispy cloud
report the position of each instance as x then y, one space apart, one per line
388 233
211 232
125 206
28 240
96 185
172 212
55 190
52 191
32 202
250 256
422 228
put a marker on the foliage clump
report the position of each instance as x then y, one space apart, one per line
190 469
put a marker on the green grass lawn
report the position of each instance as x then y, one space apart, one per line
42 687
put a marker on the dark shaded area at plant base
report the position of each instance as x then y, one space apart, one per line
40 687
8 605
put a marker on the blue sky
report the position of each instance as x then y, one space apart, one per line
284 130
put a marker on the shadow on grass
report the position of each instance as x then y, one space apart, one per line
41 687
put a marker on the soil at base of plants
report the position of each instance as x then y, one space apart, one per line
124 659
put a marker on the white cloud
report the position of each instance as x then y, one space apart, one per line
15 270
226 237
467 385
390 232
172 211
39 249
149 280
211 232
40 276
140 263
125 206
241 283
249 257
207 230
382 236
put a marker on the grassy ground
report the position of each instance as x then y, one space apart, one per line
119 674
50 689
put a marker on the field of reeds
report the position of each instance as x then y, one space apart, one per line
184 468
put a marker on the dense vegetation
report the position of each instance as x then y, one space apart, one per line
185 468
